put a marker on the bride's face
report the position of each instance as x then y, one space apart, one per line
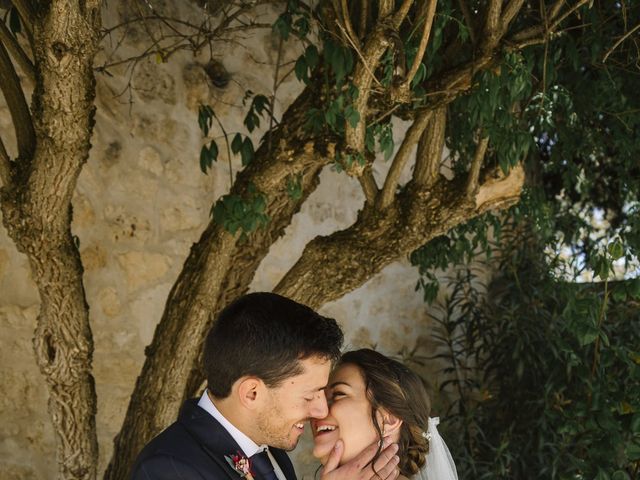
349 416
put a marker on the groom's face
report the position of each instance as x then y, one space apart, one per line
292 404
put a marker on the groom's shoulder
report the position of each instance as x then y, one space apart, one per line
175 453
168 455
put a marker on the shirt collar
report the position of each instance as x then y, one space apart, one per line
248 446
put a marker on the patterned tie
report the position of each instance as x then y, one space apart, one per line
261 465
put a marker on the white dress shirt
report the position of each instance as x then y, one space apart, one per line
248 446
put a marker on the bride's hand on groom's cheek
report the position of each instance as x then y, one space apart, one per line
384 468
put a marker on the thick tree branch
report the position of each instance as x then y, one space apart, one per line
498 191
401 14
348 258
385 8
509 13
364 15
555 9
362 79
430 146
18 54
14 96
368 184
400 160
492 25
476 165
533 34
218 269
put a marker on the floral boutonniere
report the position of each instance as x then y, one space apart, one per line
240 464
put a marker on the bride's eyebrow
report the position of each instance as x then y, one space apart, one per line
335 384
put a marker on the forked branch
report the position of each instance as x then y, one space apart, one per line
402 156
492 25
401 14
476 165
18 54
27 14
430 149
14 96
509 13
368 184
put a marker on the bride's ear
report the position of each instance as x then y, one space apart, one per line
390 424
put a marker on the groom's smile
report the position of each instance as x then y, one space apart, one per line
290 405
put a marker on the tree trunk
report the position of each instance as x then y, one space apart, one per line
36 207
219 268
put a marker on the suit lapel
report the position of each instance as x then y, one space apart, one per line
218 443
210 435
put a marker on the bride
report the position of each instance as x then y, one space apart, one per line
372 397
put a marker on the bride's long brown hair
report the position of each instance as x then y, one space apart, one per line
392 386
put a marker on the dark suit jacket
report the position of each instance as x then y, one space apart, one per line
193 448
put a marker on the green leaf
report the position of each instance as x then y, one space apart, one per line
620 475
260 104
205 159
246 152
301 69
282 25
616 250
205 114
633 451
236 143
312 56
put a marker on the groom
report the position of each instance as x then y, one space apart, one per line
267 361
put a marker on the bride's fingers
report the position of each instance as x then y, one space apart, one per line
334 458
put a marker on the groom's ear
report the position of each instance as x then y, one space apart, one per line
250 391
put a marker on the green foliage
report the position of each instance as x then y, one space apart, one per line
546 373
295 20
258 107
460 246
208 155
205 117
241 213
243 147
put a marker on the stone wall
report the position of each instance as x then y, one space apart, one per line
140 203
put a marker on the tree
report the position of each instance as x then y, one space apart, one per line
493 81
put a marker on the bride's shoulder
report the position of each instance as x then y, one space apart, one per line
402 477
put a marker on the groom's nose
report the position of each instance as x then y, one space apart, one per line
318 407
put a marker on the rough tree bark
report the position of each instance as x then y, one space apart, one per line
219 268
36 206
394 221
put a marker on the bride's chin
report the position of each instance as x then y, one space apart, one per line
322 454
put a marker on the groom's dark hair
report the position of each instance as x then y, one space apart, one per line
265 335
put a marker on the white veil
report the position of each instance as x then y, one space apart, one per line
439 464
